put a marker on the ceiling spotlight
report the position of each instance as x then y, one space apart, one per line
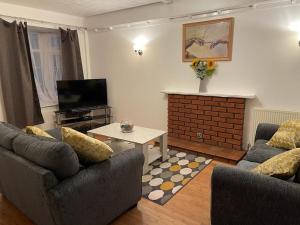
110 28
96 30
293 2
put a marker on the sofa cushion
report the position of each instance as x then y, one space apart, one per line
287 135
37 131
261 152
291 125
7 134
262 144
89 150
247 165
284 165
284 139
54 155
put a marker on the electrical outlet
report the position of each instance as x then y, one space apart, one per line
199 135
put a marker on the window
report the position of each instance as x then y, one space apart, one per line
47 64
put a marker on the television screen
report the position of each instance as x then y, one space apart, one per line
74 94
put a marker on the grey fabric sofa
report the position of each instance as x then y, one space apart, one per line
90 195
241 197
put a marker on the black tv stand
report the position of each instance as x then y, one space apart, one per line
80 110
84 119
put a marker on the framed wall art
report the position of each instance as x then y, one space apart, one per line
209 40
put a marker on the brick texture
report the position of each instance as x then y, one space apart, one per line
220 120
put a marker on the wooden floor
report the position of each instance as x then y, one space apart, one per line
190 206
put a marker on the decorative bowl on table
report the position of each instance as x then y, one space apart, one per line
126 126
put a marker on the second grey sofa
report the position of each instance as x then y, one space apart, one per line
94 195
241 197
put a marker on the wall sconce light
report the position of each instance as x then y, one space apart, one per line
139 45
139 51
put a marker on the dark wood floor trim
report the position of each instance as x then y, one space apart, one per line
214 152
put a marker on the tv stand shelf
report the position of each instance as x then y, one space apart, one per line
84 119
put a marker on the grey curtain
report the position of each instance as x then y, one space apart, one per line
20 96
71 58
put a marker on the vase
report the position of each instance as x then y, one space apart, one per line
203 85
126 126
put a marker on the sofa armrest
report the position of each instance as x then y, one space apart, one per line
242 197
26 184
265 131
101 192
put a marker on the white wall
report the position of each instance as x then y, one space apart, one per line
52 17
266 62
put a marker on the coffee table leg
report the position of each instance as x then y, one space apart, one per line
144 149
163 139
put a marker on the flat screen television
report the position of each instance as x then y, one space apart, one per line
74 94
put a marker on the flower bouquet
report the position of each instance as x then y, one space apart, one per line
203 68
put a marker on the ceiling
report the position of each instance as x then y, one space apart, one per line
82 7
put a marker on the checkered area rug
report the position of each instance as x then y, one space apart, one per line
165 179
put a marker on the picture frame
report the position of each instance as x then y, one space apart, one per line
208 40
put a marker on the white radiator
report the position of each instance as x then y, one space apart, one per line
270 116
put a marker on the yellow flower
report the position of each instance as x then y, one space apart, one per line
211 64
194 62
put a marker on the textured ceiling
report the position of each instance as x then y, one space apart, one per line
81 7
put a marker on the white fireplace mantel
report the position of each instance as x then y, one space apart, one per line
213 94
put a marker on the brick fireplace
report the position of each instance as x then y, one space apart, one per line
211 120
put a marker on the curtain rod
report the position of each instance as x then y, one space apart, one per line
42 22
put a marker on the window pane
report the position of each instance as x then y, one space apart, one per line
47 65
34 42
37 59
55 41
37 68
57 68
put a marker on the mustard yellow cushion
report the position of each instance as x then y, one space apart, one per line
37 131
87 148
287 135
283 139
284 165
292 125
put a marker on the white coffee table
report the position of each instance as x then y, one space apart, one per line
141 137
